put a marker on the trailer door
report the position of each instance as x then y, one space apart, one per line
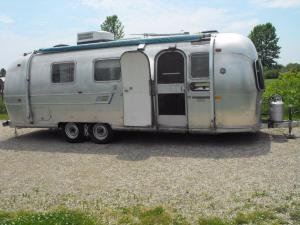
135 69
199 91
170 78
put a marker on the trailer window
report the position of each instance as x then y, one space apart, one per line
107 70
170 68
200 65
259 77
63 72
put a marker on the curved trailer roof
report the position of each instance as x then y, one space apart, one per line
124 42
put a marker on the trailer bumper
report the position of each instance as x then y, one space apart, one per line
6 123
283 124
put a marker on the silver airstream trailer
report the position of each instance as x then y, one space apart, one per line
209 83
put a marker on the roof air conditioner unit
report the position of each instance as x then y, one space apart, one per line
94 37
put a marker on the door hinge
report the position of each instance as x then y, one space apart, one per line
153 87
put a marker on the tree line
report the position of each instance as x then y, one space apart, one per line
265 39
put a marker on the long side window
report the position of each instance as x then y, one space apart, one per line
63 72
259 77
200 65
107 70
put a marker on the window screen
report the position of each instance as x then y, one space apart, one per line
63 72
106 70
170 68
171 104
200 65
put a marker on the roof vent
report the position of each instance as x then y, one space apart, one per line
94 37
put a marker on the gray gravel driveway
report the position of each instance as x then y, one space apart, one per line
195 174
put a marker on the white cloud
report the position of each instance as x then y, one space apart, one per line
5 19
175 20
14 45
243 26
277 3
116 4
139 16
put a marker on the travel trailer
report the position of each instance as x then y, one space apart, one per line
207 82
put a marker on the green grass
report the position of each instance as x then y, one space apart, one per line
3 117
3 113
268 82
295 214
139 215
59 217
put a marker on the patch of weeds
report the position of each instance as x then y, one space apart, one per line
25 195
282 209
212 205
260 194
36 190
257 217
288 197
139 215
248 204
59 217
207 197
180 220
295 214
157 215
213 221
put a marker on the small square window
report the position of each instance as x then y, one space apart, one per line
107 70
63 72
200 65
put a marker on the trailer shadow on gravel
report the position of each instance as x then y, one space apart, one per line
135 146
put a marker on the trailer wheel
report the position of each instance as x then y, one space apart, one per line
100 133
73 132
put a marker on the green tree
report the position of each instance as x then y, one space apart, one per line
2 72
293 67
288 86
265 40
113 24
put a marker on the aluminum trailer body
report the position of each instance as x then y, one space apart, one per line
191 83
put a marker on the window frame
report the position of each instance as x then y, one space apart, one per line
260 83
199 78
63 62
105 59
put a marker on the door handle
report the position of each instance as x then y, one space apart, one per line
199 86
128 89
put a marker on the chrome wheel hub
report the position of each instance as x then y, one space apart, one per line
100 132
72 130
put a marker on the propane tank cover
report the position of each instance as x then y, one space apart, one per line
276 108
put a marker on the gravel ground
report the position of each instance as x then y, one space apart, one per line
195 174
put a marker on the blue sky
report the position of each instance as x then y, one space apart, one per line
33 24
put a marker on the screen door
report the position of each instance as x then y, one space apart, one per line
171 89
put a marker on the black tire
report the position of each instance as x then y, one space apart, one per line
100 133
73 132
